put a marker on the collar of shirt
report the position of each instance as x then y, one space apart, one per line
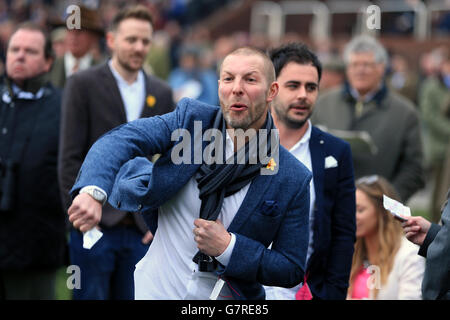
133 95
304 140
367 97
20 94
121 81
229 149
70 60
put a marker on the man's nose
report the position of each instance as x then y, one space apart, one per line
237 87
139 46
301 92
20 54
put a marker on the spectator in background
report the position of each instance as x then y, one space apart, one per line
385 264
6 28
59 46
402 78
157 61
434 242
430 63
32 228
221 48
191 80
435 114
81 44
96 101
383 127
333 74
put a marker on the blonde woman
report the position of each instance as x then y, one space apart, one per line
385 264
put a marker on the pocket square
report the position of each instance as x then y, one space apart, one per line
330 162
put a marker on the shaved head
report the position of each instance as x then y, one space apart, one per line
269 70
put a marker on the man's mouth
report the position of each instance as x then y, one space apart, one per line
18 68
137 57
299 107
238 107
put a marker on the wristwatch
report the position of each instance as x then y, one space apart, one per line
95 192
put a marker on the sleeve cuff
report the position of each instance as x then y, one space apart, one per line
431 234
224 258
97 189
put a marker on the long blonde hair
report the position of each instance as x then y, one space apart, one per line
389 231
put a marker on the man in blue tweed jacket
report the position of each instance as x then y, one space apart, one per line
230 213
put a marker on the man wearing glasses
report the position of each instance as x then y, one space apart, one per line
382 127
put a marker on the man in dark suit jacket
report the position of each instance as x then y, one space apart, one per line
95 101
434 242
248 206
32 233
332 213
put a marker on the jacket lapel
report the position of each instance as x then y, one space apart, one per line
150 100
316 147
115 98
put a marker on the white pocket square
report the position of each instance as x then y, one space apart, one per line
330 162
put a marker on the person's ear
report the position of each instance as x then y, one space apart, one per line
273 91
110 37
48 64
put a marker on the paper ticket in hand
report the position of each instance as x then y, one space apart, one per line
91 237
396 208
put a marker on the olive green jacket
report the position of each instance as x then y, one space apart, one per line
434 103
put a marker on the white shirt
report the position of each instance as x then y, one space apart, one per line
133 95
301 151
167 270
69 63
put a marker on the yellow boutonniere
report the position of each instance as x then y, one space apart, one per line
271 165
151 100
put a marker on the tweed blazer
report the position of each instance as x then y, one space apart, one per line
274 211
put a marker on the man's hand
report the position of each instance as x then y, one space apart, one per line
85 212
416 229
211 236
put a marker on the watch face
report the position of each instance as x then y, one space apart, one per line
98 195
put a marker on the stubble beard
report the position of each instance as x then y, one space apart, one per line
242 123
288 121
127 66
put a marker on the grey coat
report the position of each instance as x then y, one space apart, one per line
393 124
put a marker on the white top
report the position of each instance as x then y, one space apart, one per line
167 270
133 95
69 63
301 151
405 279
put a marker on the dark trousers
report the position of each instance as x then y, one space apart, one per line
107 269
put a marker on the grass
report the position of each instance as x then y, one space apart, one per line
61 290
